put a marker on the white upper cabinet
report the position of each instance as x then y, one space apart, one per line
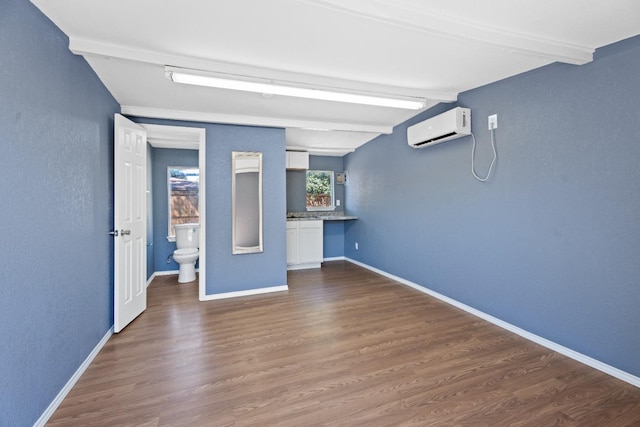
297 160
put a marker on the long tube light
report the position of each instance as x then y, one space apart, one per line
200 79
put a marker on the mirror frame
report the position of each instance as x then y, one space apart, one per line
240 164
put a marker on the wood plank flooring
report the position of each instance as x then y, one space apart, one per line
343 347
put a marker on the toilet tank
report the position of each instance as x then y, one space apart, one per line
187 235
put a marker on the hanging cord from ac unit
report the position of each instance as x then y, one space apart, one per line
473 155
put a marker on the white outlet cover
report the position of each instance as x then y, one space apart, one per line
493 121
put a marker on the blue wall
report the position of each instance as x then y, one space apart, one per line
227 272
296 182
161 159
333 239
333 231
551 243
56 133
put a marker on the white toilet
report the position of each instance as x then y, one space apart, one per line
186 254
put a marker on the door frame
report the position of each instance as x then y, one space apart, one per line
166 136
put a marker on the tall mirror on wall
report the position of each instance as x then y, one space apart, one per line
246 197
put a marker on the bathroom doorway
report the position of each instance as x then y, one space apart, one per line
191 138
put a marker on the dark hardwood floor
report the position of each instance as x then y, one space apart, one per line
343 347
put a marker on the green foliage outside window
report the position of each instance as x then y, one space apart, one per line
319 189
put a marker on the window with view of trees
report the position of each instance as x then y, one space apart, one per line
320 190
183 184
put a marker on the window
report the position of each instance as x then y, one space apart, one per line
320 190
183 186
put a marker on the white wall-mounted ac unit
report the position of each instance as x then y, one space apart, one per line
449 125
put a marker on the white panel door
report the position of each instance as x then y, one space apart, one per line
130 248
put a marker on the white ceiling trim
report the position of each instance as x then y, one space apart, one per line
95 48
159 113
162 136
403 14
323 151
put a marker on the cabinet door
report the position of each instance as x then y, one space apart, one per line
297 160
292 243
310 249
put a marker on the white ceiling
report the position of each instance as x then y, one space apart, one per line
433 49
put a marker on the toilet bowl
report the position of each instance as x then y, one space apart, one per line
186 259
186 254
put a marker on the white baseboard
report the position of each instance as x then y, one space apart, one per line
603 367
72 381
165 273
304 266
150 279
314 264
161 273
335 258
245 293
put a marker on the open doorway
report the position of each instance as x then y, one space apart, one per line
191 138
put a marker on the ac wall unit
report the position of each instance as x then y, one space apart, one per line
450 125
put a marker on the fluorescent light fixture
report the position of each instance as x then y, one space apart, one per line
184 76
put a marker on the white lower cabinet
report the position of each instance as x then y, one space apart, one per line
304 244
293 254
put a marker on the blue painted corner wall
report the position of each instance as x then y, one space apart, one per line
226 272
56 152
551 243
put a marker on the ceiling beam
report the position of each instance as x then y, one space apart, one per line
159 113
406 15
324 151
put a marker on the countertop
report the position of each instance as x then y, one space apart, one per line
324 216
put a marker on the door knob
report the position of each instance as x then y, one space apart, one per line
125 232
114 233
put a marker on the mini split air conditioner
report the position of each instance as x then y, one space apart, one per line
450 125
